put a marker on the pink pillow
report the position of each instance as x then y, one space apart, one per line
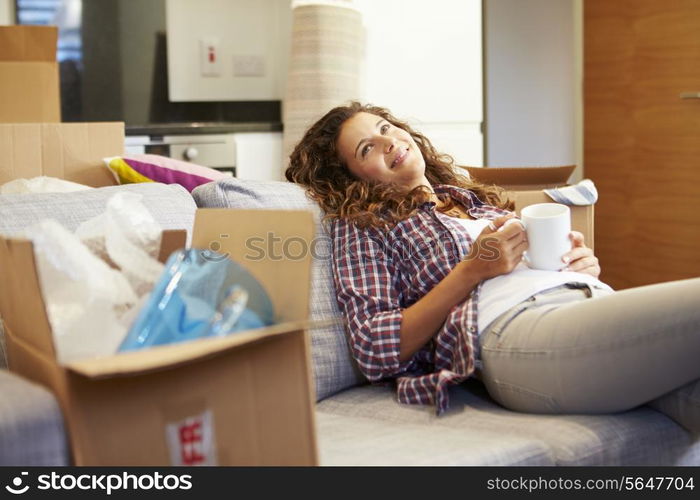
155 168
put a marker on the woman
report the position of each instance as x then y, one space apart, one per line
429 276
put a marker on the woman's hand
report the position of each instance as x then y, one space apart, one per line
494 252
580 258
498 249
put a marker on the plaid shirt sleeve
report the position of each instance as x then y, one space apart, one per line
368 297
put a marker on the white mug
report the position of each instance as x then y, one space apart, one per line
547 226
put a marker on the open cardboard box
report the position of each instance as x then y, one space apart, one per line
245 399
525 185
70 151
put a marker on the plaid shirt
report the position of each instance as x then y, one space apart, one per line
378 273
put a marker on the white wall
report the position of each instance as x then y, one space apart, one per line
531 80
424 62
258 28
7 12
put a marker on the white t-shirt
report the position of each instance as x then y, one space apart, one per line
507 290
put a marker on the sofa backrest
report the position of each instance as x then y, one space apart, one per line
171 206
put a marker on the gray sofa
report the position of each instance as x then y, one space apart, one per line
357 423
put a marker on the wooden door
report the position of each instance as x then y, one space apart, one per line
641 139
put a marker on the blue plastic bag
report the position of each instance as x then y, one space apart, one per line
200 294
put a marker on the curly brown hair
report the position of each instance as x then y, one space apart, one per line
316 164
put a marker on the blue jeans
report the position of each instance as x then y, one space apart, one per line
567 350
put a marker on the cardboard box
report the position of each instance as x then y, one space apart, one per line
71 151
245 399
29 79
525 185
522 178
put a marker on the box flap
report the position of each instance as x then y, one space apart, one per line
171 240
253 404
522 177
171 355
275 246
28 43
70 151
21 304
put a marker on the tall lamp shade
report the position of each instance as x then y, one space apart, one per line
327 44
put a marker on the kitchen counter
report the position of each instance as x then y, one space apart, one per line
192 128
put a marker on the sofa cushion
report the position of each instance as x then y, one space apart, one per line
334 367
638 437
156 168
345 440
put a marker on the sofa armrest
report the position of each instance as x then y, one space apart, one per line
31 424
